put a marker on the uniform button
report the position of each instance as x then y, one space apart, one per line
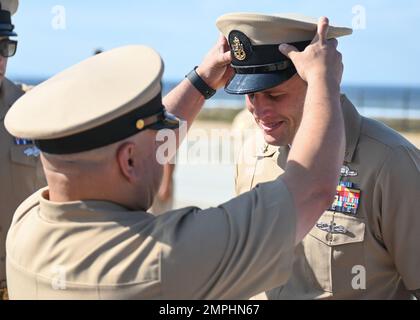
329 237
140 124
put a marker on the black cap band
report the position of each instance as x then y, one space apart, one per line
246 55
142 118
263 68
258 67
6 26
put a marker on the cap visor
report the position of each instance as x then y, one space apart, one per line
8 34
250 83
169 122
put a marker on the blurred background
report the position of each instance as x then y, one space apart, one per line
381 59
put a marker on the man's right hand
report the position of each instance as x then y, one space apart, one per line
320 60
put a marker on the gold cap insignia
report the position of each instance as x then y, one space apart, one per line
238 49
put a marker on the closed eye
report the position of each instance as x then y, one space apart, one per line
276 94
272 96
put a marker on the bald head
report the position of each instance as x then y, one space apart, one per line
125 172
93 160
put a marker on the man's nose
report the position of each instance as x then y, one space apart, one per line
263 107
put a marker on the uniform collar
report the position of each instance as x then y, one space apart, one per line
84 211
352 123
9 93
266 150
262 148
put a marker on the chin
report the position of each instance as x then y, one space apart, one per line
278 141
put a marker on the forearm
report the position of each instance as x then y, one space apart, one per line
184 101
319 143
317 153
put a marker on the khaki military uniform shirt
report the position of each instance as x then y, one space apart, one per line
374 254
100 250
20 173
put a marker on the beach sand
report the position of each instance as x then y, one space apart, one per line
414 138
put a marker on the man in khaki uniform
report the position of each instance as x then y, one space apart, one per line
88 235
367 244
20 168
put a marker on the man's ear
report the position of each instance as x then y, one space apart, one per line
126 162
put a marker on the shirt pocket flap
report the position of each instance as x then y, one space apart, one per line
352 230
17 155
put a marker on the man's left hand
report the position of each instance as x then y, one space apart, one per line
215 69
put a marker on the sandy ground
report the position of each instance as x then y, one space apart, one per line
414 138
209 125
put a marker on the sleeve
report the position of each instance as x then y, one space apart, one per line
398 198
235 251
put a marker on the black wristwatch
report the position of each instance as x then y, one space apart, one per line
200 84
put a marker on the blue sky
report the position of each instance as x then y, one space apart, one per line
386 52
